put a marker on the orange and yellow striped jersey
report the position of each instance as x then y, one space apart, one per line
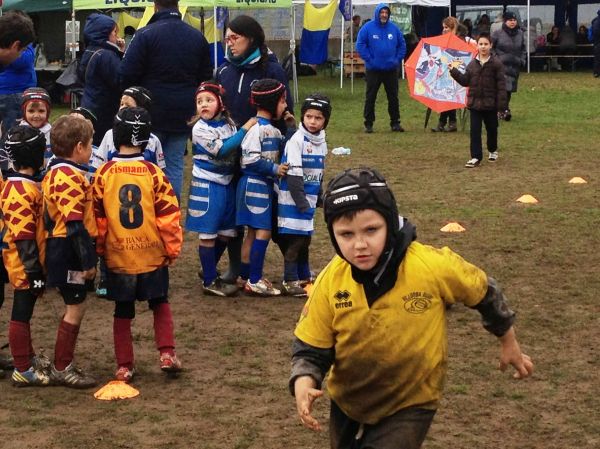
22 209
137 214
67 197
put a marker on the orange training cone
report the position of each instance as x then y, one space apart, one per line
116 389
527 199
453 227
577 180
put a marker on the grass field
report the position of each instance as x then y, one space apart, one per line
233 394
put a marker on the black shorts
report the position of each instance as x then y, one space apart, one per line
73 294
3 272
141 287
61 263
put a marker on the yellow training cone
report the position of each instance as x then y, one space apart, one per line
308 288
116 389
577 180
527 199
453 227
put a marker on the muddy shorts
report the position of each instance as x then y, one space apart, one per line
405 429
141 287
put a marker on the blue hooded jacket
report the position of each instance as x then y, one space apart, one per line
98 71
170 58
380 45
236 80
19 74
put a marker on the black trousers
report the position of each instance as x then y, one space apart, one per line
448 116
490 118
597 59
405 429
389 79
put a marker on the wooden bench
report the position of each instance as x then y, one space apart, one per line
553 52
353 63
573 59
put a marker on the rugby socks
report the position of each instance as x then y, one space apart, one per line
244 270
220 247
66 339
257 259
163 328
290 271
234 251
209 264
123 342
19 339
303 271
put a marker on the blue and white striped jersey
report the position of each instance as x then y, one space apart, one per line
106 151
207 139
305 152
261 150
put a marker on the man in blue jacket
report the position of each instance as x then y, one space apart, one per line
171 59
381 45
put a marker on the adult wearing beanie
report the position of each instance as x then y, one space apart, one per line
99 71
170 59
508 44
381 44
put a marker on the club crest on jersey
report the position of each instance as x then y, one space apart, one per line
417 302
343 299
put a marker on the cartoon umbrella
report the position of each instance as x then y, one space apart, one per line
428 75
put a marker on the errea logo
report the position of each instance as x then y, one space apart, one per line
343 299
344 199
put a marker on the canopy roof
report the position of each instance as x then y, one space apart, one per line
37 5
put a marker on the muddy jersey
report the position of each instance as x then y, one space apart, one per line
393 354
67 197
22 209
137 214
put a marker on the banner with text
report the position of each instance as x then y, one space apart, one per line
119 4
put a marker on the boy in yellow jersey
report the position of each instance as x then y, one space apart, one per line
139 235
376 317
70 229
23 252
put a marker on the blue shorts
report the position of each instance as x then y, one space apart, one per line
141 287
253 202
211 209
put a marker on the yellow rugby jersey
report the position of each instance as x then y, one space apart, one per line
23 219
67 197
392 355
137 214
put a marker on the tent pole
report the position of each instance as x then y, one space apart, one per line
215 38
352 56
293 51
342 55
73 37
528 37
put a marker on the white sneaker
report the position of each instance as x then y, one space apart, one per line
262 288
493 157
472 163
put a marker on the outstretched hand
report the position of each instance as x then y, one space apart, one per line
510 354
455 63
306 393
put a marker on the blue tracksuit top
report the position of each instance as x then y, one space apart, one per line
381 46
